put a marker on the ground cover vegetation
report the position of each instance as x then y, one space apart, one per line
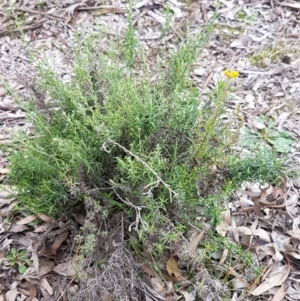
140 151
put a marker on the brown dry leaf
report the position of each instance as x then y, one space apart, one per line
279 295
80 219
256 206
271 250
169 287
24 292
31 292
224 256
194 243
35 260
146 269
239 284
11 295
18 228
74 289
157 284
34 256
232 272
8 210
225 222
66 269
277 276
172 267
57 243
46 218
247 231
28 219
46 267
31 273
44 282
187 296
41 228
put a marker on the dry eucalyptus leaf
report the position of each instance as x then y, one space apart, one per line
224 256
279 275
146 269
44 282
29 291
28 219
172 267
256 206
194 243
271 250
11 295
239 284
18 228
46 267
279 295
8 210
41 228
74 289
225 222
188 296
80 218
46 218
247 231
57 243
157 284
66 269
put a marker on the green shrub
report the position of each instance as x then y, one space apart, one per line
156 154
153 149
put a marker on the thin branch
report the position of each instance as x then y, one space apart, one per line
138 218
159 179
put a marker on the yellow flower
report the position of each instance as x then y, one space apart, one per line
231 73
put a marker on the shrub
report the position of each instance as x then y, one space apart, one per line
155 151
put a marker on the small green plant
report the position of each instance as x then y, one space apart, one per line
271 53
262 166
267 134
130 41
242 15
17 259
166 26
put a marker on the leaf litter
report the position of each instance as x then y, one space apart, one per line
254 38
